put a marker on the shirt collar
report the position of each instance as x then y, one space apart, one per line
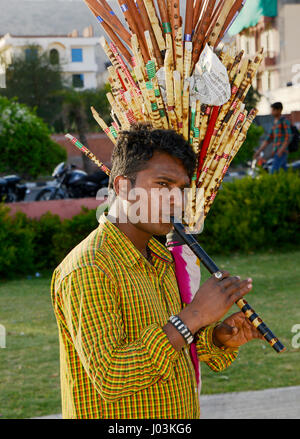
126 249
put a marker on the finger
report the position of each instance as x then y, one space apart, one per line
225 274
237 286
226 283
241 293
235 319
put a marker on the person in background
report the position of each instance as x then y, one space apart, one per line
280 136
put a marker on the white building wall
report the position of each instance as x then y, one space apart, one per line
15 46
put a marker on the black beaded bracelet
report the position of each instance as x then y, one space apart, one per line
182 328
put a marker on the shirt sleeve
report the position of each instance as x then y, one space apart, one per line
117 367
216 358
287 132
270 136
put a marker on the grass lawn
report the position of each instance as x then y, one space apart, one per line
29 366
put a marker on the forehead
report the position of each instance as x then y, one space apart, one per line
163 164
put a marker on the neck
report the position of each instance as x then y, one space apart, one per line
138 237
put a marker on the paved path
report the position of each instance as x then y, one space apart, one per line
282 403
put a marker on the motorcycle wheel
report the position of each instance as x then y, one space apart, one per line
48 194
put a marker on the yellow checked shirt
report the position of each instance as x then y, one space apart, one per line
115 359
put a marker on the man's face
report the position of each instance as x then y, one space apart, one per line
275 113
152 193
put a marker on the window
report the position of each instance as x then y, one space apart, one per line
77 55
54 56
30 53
78 81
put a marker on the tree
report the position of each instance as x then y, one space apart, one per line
251 143
97 98
75 118
254 133
77 115
35 79
25 143
252 99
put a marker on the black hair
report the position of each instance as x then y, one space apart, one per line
277 106
136 147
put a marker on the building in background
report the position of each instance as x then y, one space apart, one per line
76 54
273 25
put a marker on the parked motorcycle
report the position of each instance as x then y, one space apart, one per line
72 183
11 190
267 164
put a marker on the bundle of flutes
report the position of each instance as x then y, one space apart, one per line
152 62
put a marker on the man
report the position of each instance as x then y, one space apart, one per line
280 136
113 296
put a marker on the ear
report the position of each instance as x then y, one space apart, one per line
122 186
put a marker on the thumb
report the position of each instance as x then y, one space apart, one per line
234 330
228 330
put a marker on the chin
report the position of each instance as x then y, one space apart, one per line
162 229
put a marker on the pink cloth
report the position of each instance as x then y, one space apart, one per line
187 271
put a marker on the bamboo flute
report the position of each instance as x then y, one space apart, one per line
201 30
179 53
124 68
151 72
188 28
197 12
129 15
238 143
103 125
185 109
88 153
175 17
150 49
209 133
178 100
164 15
139 60
112 20
155 24
143 88
214 154
196 137
168 65
213 176
227 106
214 19
220 22
113 36
233 14
148 27
157 122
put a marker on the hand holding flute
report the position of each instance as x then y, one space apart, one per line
209 264
214 299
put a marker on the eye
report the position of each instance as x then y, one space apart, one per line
163 183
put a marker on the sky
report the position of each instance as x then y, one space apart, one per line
44 17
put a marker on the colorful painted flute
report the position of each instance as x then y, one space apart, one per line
88 153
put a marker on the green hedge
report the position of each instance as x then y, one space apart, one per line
248 215
255 214
25 143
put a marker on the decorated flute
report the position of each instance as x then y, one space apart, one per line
88 153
